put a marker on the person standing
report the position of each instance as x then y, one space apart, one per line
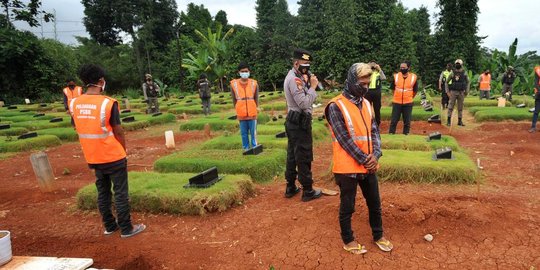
536 98
204 92
457 88
442 82
508 81
374 93
484 84
405 88
97 121
356 145
299 88
151 93
71 91
245 95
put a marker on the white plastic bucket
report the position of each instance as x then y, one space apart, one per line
5 247
169 139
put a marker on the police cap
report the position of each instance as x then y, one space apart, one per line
301 54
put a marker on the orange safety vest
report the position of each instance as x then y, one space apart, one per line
537 71
246 108
485 82
71 94
403 92
359 126
91 114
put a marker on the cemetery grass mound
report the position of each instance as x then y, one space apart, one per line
261 168
65 134
419 167
164 193
416 142
14 145
483 114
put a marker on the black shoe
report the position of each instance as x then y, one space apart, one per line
311 195
449 121
460 123
291 191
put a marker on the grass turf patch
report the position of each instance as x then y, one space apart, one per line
235 142
418 113
164 193
476 102
13 131
418 167
215 122
416 142
501 114
262 167
43 124
276 106
65 134
14 145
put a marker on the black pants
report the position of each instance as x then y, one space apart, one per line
299 155
370 189
117 179
397 111
374 96
445 99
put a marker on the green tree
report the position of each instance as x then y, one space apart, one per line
27 11
310 22
427 68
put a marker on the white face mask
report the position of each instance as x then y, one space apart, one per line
244 75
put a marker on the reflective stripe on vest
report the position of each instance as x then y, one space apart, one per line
404 90
359 130
71 94
102 120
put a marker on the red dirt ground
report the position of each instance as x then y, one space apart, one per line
494 225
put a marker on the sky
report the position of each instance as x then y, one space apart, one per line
499 20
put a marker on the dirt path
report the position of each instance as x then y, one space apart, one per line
492 226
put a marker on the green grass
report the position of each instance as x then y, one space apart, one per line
235 142
146 120
43 124
28 144
418 113
13 131
276 106
500 114
10 113
25 117
416 142
164 193
418 167
215 122
262 167
65 134
476 102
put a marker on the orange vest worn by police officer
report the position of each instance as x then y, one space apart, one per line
71 94
246 108
485 82
91 114
403 92
358 123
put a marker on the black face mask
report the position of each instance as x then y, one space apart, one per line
71 87
304 68
358 90
404 71
458 66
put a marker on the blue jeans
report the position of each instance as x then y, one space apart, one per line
251 127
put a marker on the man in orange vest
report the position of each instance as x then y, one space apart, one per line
245 95
484 84
97 120
71 91
356 150
405 88
536 98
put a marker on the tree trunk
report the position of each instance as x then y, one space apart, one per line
138 59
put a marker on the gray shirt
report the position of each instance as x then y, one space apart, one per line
299 97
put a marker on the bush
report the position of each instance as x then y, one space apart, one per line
262 167
416 142
28 144
65 134
418 167
164 193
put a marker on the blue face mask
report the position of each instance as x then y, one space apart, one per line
244 75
